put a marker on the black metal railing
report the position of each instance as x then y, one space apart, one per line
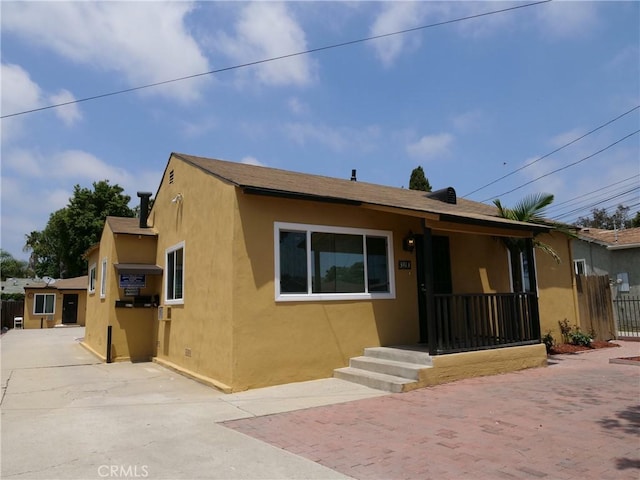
482 321
627 311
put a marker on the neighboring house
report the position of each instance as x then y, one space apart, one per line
63 302
244 276
16 285
615 253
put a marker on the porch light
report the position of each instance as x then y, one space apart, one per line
409 242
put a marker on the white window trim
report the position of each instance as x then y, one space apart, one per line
315 297
535 266
173 248
103 278
92 278
44 304
584 265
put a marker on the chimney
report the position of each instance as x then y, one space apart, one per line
144 208
353 175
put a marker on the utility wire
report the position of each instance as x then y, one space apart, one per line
273 59
551 153
593 191
594 201
601 197
563 168
575 211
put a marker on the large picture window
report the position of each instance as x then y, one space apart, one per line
174 279
316 262
44 304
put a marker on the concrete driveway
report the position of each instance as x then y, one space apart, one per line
67 416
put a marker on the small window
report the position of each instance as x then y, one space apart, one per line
44 304
174 292
315 262
103 278
580 267
622 280
92 278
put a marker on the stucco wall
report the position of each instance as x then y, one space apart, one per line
32 320
601 261
556 285
133 329
197 338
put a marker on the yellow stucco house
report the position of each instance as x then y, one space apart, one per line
244 276
63 302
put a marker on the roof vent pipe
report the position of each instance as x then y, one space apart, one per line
144 208
353 175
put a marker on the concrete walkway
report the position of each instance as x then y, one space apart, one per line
67 416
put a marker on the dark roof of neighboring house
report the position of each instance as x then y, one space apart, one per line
129 226
271 181
626 238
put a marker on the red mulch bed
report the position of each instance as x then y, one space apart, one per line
568 348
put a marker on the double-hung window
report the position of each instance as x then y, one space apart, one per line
92 278
103 278
174 281
317 262
44 304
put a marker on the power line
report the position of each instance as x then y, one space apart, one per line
563 168
273 59
592 202
619 196
593 191
555 151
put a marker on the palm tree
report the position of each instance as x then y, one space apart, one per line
529 209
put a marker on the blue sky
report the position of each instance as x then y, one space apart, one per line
470 101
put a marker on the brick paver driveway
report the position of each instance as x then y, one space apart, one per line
577 419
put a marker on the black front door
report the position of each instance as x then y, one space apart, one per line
70 308
441 258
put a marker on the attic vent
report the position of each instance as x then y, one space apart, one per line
446 195
171 176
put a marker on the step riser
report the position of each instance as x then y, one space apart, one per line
398 355
369 382
388 369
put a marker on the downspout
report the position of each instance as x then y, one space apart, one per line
429 294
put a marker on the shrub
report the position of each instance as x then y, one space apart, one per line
565 330
577 337
548 341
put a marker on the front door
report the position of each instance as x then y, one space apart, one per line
440 255
70 308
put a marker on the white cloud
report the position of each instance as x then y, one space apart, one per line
567 19
252 161
267 30
296 106
467 121
145 42
396 16
69 114
431 146
199 128
337 139
566 137
19 93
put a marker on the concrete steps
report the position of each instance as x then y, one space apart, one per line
387 368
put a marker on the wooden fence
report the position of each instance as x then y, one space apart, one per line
10 309
595 306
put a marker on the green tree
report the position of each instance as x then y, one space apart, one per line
418 180
530 209
57 250
11 267
601 219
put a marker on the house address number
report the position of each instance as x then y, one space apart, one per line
404 264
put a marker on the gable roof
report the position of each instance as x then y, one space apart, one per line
612 239
275 182
75 283
129 226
